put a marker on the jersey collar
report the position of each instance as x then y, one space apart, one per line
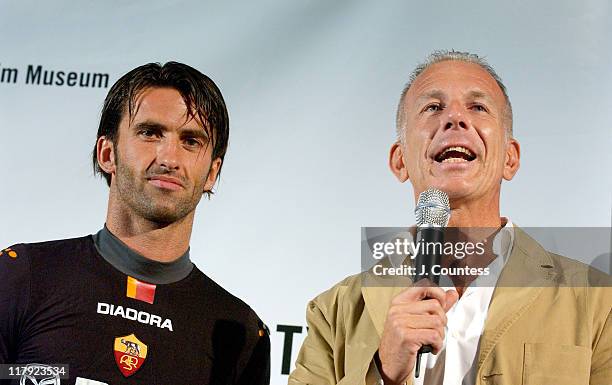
129 262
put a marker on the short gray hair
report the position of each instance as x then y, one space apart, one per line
452 55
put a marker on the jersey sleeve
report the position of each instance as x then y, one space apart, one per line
14 299
257 369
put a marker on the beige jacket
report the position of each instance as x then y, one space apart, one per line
554 329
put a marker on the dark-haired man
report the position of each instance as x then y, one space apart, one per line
126 305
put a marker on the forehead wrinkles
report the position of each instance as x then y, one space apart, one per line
467 94
444 78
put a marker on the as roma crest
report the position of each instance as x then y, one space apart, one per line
130 354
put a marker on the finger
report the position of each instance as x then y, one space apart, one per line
429 306
422 337
404 328
422 321
413 294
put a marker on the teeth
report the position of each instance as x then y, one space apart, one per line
454 160
458 148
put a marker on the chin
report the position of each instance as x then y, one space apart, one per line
162 212
161 216
455 188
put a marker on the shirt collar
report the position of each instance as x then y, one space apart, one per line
503 240
502 243
131 263
502 247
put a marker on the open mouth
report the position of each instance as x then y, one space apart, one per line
455 154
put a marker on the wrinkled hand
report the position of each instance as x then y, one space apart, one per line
416 317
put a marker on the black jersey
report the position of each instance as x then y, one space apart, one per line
115 317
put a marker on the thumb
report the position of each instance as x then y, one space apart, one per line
451 298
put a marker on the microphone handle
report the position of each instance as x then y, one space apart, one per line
428 256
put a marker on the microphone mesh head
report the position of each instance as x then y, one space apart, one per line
432 208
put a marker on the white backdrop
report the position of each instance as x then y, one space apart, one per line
311 88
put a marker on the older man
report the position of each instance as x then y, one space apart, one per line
454 125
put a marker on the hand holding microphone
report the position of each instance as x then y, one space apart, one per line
417 316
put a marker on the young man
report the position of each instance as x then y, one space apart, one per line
126 305
454 125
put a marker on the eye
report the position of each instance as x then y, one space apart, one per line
148 133
479 108
434 107
192 142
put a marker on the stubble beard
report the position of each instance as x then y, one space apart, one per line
150 203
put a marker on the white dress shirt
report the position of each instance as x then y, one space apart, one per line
456 363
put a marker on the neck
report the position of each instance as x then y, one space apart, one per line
475 213
155 241
473 235
476 220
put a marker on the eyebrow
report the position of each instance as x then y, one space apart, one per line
432 94
439 94
194 132
156 126
149 125
477 94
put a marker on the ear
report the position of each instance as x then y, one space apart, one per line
396 162
212 174
105 152
513 159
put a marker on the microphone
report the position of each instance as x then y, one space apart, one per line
432 212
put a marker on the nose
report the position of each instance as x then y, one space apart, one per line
168 154
455 117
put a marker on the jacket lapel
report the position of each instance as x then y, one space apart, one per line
527 271
378 292
377 302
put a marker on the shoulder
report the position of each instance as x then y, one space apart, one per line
593 284
582 283
580 276
574 271
346 291
569 272
49 254
342 301
54 248
236 324
227 305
